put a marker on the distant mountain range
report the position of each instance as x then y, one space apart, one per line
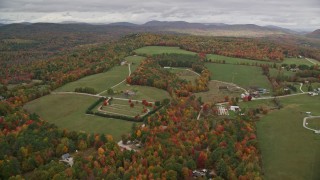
314 34
212 29
209 29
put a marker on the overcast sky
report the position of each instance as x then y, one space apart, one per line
294 14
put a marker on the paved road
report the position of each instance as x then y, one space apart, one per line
311 61
304 123
301 88
129 67
84 94
127 147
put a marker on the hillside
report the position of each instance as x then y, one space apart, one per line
314 34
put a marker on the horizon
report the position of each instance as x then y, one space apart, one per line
290 14
143 23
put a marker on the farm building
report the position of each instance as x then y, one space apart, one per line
234 108
129 93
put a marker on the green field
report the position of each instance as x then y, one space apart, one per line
243 76
284 72
122 107
216 95
68 111
135 60
184 74
103 81
290 151
232 60
297 61
142 92
314 123
153 50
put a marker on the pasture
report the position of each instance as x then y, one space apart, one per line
123 108
233 60
153 50
68 112
216 95
244 76
289 151
314 123
184 74
141 92
105 80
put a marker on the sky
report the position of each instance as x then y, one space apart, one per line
292 14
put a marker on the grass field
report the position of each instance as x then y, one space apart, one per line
243 76
290 151
142 92
216 95
135 60
184 74
68 111
153 50
103 81
232 60
275 72
121 107
314 123
99 82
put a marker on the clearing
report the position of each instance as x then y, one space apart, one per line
141 92
233 60
217 95
244 76
153 50
68 111
289 151
103 81
122 107
184 74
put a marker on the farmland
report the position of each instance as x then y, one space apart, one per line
244 76
184 74
153 50
216 95
290 151
233 60
314 123
141 92
122 107
68 112
103 81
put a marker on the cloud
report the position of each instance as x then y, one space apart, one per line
302 14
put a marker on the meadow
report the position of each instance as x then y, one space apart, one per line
68 112
183 73
141 92
105 80
122 107
216 95
153 50
244 76
290 151
233 60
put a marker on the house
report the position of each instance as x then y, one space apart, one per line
262 90
129 93
67 159
123 63
234 108
316 90
65 156
166 67
223 87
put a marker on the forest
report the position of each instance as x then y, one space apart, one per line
174 143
